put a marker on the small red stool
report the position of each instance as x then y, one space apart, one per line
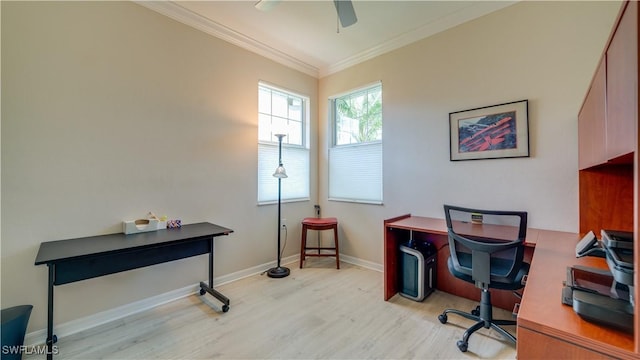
311 223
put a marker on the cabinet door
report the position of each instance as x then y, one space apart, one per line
622 76
591 122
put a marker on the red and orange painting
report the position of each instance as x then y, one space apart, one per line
488 132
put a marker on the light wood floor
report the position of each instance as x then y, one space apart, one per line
316 313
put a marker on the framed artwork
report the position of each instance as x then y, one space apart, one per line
491 132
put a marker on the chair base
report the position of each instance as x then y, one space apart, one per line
483 320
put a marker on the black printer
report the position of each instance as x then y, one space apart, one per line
603 296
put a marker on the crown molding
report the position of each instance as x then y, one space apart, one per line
452 20
174 11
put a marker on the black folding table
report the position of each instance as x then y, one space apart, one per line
89 257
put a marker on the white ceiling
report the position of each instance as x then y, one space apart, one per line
304 34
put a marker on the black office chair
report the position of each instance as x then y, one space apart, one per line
487 249
14 326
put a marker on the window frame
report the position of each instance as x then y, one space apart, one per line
355 146
304 146
333 113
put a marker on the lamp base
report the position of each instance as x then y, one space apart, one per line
278 272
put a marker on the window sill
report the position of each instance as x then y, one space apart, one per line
367 202
274 202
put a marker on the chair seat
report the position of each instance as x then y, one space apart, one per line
497 265
312 221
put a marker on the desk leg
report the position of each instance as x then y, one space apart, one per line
209 288
51 338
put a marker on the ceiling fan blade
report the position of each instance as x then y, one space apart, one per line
346 13
266 5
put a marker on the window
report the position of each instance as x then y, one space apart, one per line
355 157
282 112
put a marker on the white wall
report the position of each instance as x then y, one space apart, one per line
110 110
545 52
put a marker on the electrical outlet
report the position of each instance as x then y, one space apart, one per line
283 223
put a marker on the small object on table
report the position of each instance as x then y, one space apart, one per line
173 224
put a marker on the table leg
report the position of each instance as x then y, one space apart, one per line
51 338
209 288
211 265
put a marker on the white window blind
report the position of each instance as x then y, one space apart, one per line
355 173
295 161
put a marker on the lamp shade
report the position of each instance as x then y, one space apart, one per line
281 172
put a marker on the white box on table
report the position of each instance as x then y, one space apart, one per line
142 225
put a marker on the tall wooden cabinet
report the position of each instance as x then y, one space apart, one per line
608 141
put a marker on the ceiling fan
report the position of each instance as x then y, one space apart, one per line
344 8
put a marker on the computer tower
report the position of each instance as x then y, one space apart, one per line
417 271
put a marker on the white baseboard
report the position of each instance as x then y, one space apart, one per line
362 263
39 337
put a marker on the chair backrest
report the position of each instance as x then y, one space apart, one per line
487 245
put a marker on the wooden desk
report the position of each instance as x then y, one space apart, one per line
397 231
546 329
85 258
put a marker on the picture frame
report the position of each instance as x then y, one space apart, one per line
490 132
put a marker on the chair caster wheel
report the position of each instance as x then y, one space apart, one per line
202 292
442 318
476 311
462 345
225 308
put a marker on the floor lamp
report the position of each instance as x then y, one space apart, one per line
281 173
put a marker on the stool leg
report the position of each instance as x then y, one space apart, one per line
335 236
303 244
